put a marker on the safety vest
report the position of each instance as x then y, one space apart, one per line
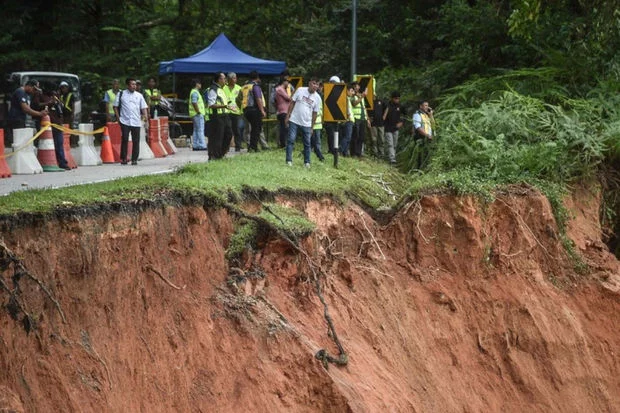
111 100
247 99
426 122
357 110
200 104
150 93
221 99
66 100
231 94
350 115
318 123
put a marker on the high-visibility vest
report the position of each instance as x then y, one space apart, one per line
318 122
247 96
65 102
150 93
200 103
231 94
111 100
221 99
350 114
357 110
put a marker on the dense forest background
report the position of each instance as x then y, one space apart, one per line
422 47
525 90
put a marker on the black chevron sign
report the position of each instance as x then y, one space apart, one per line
335 102
296 81
367 83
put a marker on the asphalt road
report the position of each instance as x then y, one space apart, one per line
106 172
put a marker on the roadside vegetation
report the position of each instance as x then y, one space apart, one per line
376 184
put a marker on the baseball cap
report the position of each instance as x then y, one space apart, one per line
63 83
34 83
334 79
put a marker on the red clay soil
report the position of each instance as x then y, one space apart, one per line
453 306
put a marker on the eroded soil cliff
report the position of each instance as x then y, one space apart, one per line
452 306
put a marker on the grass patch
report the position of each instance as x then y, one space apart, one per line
244 237
221 179
289 220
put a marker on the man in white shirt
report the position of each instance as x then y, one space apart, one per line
302 112
128 107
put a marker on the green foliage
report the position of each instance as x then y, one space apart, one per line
229 178
243 238
513 136
289 220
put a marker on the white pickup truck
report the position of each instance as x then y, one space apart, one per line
48 81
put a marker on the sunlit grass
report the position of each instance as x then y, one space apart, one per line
266 170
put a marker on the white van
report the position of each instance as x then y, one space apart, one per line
51 81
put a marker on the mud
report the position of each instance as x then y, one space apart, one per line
454 305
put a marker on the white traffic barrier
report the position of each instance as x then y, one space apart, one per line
86 154
145 149
25 161
172 145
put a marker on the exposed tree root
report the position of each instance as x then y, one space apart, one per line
167 281
8 258
317 274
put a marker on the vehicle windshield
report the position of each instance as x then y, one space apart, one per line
48 82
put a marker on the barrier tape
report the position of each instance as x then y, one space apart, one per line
36 135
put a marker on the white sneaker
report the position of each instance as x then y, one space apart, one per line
307 165
289 163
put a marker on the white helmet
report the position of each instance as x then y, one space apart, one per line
334 79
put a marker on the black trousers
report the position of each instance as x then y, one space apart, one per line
283 130
357 139
135 138
221 132
236 133
255 118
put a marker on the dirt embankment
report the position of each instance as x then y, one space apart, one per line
453 306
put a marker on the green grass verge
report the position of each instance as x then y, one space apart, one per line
229 177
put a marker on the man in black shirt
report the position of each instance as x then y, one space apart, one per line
377 130
393 122
20 107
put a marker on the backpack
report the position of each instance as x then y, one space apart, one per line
245 98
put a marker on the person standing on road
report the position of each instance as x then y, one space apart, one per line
197 113
68 103
109 98
54 105
232 89
393 122
302 113
153 97
255 111
128 107
423 132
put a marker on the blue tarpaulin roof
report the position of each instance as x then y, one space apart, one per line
221 56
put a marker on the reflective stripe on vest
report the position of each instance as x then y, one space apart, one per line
357 110
231 94
200 104
66 100
221 99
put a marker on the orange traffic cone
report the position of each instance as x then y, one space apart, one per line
5 172
46 153
106 147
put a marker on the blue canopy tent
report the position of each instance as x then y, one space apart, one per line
221 56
